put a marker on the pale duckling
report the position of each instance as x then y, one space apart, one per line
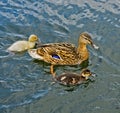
71 79
64 53
23 45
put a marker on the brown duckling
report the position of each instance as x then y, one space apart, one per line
70 79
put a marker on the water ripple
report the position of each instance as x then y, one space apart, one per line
27 99
23 80
64 14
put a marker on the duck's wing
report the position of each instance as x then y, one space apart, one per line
58 50
68 79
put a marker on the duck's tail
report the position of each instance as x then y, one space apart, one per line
33 53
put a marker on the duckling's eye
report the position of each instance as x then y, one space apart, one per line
35 38
88 71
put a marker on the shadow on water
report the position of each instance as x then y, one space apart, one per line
64 68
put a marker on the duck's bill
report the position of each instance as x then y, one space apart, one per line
93 74
38 44
95 46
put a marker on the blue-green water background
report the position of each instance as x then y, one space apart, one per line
26 85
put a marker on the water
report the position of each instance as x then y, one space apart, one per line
26 85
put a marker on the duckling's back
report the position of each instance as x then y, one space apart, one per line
69 79
19 46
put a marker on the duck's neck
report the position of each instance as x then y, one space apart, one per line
82 51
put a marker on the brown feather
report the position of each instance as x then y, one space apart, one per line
66 52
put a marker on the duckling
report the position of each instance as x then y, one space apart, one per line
71 79
64 53
23 45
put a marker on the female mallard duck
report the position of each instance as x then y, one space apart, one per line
23 45
63 53
70 79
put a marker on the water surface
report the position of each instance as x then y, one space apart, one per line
26 84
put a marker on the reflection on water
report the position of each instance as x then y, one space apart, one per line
26 84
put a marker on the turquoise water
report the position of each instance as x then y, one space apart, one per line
26 86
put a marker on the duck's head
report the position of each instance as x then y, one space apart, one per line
33 38
86 73
85 38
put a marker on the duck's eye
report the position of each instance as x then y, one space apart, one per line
87 39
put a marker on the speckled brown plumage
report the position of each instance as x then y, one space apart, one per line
73 78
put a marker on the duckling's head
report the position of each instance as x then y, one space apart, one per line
86 73
85 38
33 38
